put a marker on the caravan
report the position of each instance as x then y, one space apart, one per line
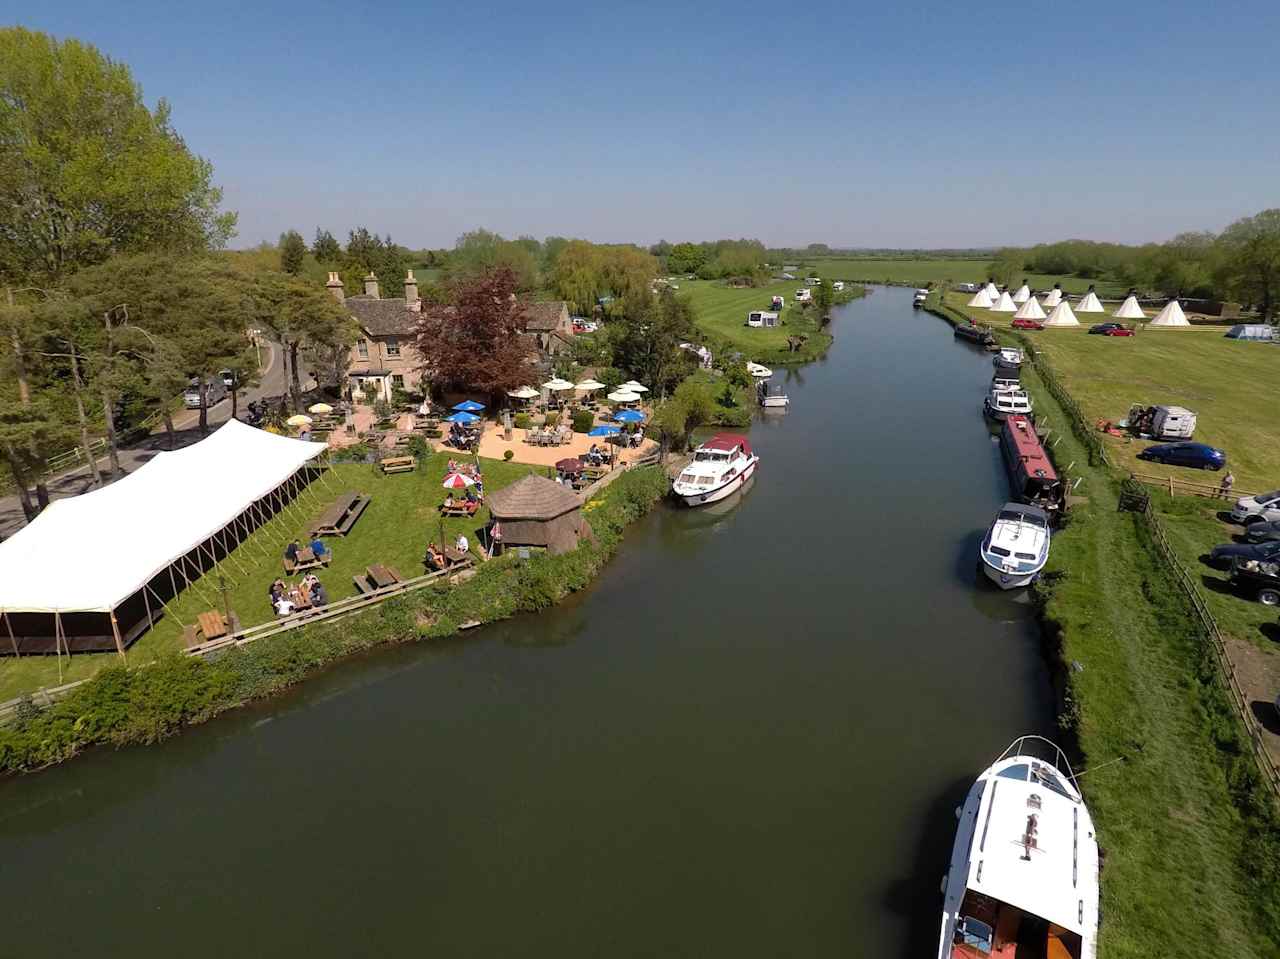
804 295
762 318
1252 331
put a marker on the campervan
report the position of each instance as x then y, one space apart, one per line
762 318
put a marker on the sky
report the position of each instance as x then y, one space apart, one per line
900 125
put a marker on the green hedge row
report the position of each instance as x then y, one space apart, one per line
121 706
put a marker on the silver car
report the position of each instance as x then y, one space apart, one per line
1265 507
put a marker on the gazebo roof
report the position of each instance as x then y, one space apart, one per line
534 497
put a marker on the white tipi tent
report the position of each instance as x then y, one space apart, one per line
1129 309
1005 304
1062 316
981 299
1089 303
1029 310
1023 294
991 291
1171 315
1054 296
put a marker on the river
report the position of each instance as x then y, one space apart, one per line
746 739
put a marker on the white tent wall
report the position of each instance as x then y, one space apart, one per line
156 531
1171 315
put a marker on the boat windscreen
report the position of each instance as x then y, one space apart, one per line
1012 516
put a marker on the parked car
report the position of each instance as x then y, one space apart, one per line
1111 329
1221 556
1195 455
1265 507
1028 325
214 392
1262 579
1262 532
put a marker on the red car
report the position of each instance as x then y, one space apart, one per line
1028 325
1111 329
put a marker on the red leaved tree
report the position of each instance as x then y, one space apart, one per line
478 341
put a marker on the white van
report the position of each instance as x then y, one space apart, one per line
804 295
215 391
1173 423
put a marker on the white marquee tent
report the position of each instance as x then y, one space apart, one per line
1023 294
1030 310
1061 315
90 553
1129 309
1053 297
1171 315
1005 304
1089 303
981 299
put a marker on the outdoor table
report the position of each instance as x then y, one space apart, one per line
213 625
380 576
306 556
454 555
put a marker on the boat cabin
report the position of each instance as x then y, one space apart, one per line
1032 478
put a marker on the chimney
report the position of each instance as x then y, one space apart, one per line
335 287
371 286
411 292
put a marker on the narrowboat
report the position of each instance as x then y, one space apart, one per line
1032 478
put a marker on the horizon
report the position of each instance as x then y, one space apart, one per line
854 128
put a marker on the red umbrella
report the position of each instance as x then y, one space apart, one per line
570 465
458 481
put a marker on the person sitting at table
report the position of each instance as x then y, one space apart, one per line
435 559
462 546
448 501
471 495
318 548
276 591
309 582
284 606
291 551
319 595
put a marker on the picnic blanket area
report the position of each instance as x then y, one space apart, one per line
401 516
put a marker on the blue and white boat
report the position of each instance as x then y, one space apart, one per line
1016 546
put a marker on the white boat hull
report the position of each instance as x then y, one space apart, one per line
714 495
774 401
1009 580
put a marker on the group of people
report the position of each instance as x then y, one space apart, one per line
318 549
463 437
286 599
596 456
436 560
471 501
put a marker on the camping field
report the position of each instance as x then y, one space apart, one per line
920 272
1231 385
722 313
401 517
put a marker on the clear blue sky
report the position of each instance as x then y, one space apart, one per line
923 125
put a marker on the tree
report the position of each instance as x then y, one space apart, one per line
369 253
301 315
646 340
688 408
1251 260
823 298
86 169
479 342
325 248
686 258
481 251
30 433
292 251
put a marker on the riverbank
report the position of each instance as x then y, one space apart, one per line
1182 812
122 705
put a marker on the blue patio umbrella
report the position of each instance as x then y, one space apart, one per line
606 430
629 416
461 418
469 406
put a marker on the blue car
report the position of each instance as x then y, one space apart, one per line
1196 455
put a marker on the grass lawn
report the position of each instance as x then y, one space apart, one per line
722 312
1231 385
394 530
920 272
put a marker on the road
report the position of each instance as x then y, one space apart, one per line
79 480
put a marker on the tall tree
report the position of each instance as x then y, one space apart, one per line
1251 260
325 248
86 169
293 249
301 316
479 342
646 340
481 251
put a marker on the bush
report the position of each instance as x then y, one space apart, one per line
552 419
418 447
508 455
522 421
356 453
583 420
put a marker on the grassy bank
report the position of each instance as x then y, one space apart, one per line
1181 811
122 705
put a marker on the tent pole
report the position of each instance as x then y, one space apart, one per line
13 639
172 583
151 623
115 631
57 633
166 608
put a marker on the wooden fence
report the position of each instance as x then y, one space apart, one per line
1175 485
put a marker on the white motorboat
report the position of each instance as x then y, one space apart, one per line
1024 867
758 371
1002 402
720 466
771 396
919 299
1008 356
1016 546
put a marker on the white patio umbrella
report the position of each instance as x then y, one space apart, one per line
589 385
624 396
298 420
320 408
556 385
634 387
524 393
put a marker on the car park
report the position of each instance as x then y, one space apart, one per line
1263 532
1222 556
1263 507
1194 455
1111 329
1027 325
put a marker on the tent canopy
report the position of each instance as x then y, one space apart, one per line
91 552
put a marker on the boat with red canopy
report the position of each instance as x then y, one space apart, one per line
720 466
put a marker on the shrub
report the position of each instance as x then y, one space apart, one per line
418 447
552 419
522 421
583 420
356 453
508 455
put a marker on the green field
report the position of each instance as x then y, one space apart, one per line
1231 385
920 272
722 314
394 530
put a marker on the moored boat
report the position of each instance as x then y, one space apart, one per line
1003 402
771 395
1016 546
720 466
975 334
758 371
1023 878
919 299
1008 356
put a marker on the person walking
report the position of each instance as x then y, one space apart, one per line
1228 481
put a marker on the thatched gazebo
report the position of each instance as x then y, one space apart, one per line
536 511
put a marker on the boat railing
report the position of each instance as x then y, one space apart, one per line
1059 760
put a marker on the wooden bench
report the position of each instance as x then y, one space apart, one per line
398 464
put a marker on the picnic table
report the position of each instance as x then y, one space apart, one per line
377 576
398 464
307 559
210 624
338 519
460 508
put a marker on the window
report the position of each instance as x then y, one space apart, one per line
362 348
393 346
397 381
